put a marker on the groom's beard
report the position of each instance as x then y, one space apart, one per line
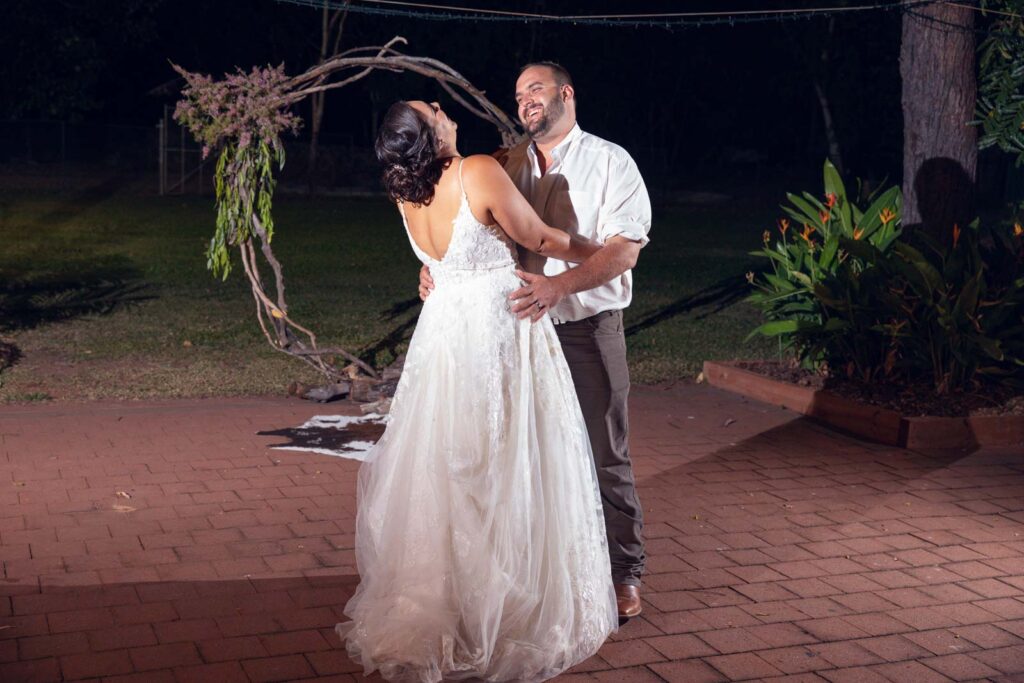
549 114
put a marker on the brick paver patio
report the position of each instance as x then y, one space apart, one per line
164 542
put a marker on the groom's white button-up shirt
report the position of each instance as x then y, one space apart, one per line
593 189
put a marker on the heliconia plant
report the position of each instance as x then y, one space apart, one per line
812 246
962 295
853 294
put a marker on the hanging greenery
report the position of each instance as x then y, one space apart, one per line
242 118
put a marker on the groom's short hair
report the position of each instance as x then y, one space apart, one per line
562 75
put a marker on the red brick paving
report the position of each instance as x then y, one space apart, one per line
164 541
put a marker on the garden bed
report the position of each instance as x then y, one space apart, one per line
905 419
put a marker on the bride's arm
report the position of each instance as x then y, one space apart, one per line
494 192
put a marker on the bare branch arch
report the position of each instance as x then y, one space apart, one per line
243 116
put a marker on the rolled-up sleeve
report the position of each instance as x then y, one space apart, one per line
626 209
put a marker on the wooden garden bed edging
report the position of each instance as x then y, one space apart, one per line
869 422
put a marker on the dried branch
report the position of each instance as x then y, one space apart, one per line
244 115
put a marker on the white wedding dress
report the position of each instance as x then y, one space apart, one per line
480 539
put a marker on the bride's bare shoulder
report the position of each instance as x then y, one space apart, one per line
480 163
482 170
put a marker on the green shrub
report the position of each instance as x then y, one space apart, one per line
812 297
854 295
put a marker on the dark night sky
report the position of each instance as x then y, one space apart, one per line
696 100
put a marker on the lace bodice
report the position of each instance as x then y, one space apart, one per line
473 246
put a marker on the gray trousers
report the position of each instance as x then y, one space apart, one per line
595 349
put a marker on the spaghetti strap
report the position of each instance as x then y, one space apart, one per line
461 184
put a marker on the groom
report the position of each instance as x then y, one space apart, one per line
591 187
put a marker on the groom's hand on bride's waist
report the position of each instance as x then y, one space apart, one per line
537 295
426 283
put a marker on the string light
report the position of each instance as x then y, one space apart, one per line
669 20
945 26
664 20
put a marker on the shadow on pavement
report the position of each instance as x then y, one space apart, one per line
203 629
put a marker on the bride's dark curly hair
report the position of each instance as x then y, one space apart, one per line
407 147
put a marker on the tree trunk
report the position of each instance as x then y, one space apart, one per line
831 135
374 116
330 23
940 152
816 61
316 101
834 151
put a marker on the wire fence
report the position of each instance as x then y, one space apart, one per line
50 144
161 159
164 159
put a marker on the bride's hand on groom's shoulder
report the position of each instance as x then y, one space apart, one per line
536 297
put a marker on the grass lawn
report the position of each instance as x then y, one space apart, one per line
106 295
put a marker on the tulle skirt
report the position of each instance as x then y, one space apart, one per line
480 539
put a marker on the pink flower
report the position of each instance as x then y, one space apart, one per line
243 108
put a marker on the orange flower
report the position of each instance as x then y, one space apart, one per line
783 225
887 216
824 216
808 231
858 233
1018 230
890 361
830 199
956 234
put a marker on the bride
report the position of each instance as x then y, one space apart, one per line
480 538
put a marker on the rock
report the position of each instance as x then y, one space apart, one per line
368 390
381 407
326 393
361 389
394 371
383 390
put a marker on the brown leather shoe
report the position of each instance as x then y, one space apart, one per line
628 599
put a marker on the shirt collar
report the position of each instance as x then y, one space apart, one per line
559 149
